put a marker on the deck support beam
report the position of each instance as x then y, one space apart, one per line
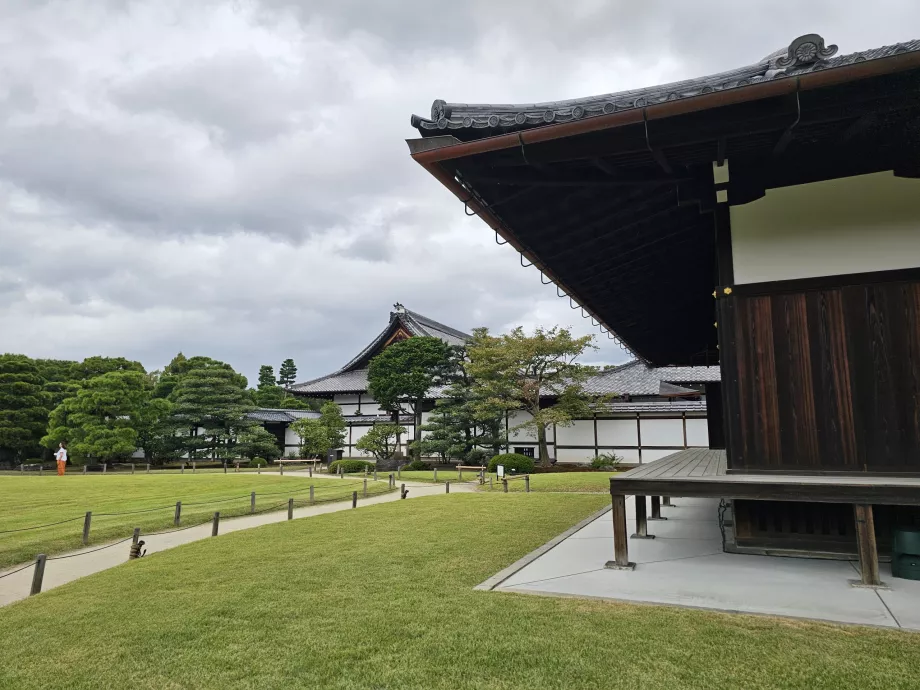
866 546
656 509
620 543
641 520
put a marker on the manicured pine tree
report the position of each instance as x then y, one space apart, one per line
23 407
287 373
266 377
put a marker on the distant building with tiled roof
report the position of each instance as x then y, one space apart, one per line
650 412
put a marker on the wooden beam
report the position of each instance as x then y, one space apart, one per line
620 544
865 542
641 520
656 509
859 125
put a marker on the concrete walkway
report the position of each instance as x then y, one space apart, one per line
90 560
685 566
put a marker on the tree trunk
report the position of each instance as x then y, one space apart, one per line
544 449
398 452
416 448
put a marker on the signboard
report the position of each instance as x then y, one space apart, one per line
501 471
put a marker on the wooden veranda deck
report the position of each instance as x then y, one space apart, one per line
702 472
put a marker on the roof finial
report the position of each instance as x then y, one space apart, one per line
805 50
400 309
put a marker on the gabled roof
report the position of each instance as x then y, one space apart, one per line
637 378
352 378
265 414
804 55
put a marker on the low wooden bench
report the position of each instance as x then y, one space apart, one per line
479 468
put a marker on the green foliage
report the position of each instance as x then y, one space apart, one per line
267 377
293 402
212 397
91 367
100 422
257 442
516 371
416 466
515 462
23 406
314 437
477 456
404 372
61 379
154 431
293 455
605 461
350 465
334 423
444 433
287 373
271 397
381 440
258 462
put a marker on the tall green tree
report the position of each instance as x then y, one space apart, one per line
101 421
155 433
403 374
210 403
381 440
23 407
446 434
294 402
62 379
266 377
314 437
256 442
92 367
524 372
334 423
287 373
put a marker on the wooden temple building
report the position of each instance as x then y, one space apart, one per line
652 412
767 218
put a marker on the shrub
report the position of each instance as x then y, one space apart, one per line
416 466
605 461
258 462
293 455
477 456
512 462
350 466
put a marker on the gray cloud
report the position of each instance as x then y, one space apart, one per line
230 178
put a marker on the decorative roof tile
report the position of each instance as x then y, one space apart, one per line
637 378
264 414
656 406
805 54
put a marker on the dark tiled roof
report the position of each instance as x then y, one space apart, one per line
805 54
654 406
264 414
637 378
365 419
352 378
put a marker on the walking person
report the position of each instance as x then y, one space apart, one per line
61 457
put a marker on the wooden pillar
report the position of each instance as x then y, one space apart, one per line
865 541
656 509
641 520
666 501
620 544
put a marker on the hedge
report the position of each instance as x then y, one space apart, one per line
349 466
520 464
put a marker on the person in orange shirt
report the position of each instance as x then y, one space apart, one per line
61 457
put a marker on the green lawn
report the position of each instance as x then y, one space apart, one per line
32 500
316 603
575 482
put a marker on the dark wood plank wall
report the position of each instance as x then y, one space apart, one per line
824 379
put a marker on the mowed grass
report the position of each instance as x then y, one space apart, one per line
317 603
30 501
574 482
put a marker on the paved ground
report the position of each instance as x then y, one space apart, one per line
685 566
88 561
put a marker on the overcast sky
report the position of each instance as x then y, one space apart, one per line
231 178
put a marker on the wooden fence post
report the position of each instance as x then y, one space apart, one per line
375 474
132 468
178 513
447 487
252 502
527 483
290 509
311 495
38 575
194 467
148 468
354 499
41 470
182 470
459 473
490 482
105 466
365 487
258 469
225 467
311 471
84 469
399 471
402 491
281 467
215 523
435 474
505 485
86 522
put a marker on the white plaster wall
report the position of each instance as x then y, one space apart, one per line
653 455
581 433
345 399
290 438
357 432
851 225
662 432
630 456
617 432
517 417
574 455
349 410
697 433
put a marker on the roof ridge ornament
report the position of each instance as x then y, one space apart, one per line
806 50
